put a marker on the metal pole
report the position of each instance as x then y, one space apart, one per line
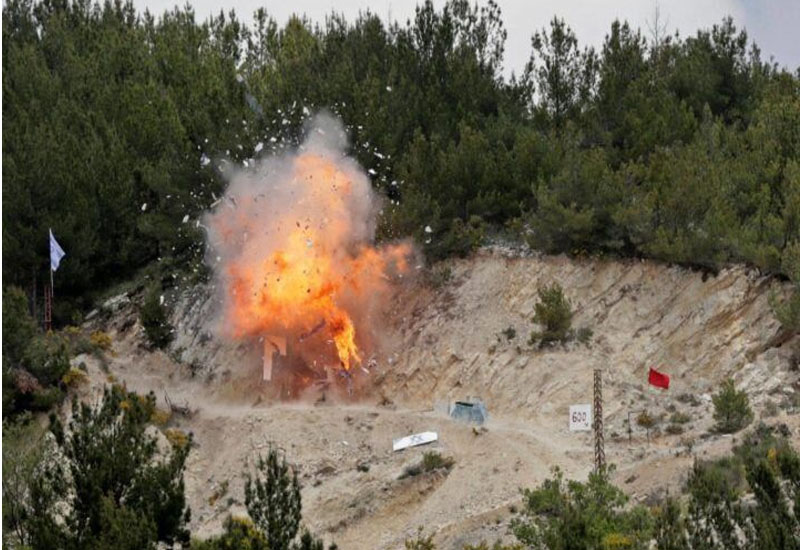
599 442
630 429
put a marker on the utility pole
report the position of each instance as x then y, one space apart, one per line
599 442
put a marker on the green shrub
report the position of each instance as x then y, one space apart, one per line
674 429
646 420
19 328
571 514
47 358
420 542
74 377
100 340
153 316
272 497
238 534
460 239
554 313
433 460
788 310
679 418
111 484
732 410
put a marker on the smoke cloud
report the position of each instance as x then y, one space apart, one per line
291 245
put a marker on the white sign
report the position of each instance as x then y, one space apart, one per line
580 418
414 440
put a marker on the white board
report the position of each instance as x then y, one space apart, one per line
580 418
272 344
414 440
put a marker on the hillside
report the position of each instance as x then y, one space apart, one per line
446 343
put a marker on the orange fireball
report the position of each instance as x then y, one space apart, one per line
294 256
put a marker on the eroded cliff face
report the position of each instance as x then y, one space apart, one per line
449 342
700 329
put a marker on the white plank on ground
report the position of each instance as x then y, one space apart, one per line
413 440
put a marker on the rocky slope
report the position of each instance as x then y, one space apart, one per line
451 342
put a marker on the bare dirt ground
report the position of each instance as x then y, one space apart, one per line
445 344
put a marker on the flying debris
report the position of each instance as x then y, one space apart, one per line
303 265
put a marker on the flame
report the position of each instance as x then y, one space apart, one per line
296 258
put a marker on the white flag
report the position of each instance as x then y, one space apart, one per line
56 252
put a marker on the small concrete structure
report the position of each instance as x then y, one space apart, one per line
471 410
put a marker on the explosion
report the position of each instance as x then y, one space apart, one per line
291 245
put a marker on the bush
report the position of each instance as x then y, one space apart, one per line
160 417
679 418
23 450
732 410
554 313
460 239
420 542
238 534
19 328
45 399
177 438
47 358
74 377
153 316
272 497
433 460
100 340
646 420
570 514
690 399
111 485
674 429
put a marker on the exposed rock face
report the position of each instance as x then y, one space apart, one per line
697 328
449 343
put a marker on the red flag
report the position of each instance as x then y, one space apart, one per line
658 379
